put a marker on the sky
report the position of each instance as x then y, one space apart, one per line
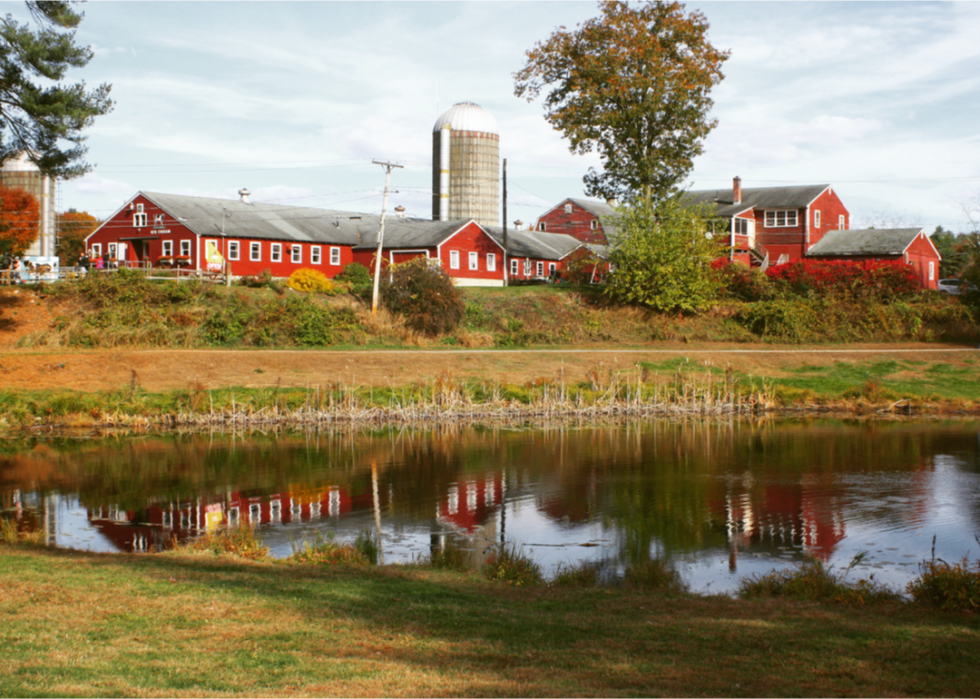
294 100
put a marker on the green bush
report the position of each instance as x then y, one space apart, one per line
948 586
507 564
424 295
811 581
325 551
354 274
654 574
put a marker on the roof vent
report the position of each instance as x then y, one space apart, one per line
400 210
244 194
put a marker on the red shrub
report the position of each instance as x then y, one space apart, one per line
864 278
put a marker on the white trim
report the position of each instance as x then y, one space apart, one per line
274 250
167 249
775 212
255 251
296 254
491 262
454 259
473 261
316 255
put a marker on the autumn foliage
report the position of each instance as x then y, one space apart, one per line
73 228
20 220
874 279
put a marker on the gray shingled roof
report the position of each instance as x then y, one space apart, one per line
203 215
411 233
544 246
796 197
871 241
608 217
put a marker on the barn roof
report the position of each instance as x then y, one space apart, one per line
411 233
795 197
867 242
543 246
205 215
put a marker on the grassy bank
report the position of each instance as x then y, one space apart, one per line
673 387
126 310
205 625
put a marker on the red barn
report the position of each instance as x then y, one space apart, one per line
198 233
589 221
535 255
464 249
775 225
910 245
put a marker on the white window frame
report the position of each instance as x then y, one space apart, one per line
932 271
514 267
474 261
552 268
140 209
112 248
454 259
96 249
841 225
816 218
234 250
296 254
185 248
782 218
539 269
542 227
568 208
255 251
315 255
139 220
594 224
527 267
168 248
334 256
491 262
275 253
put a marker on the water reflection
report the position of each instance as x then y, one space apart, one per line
720 499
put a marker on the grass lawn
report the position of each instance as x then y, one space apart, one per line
78 624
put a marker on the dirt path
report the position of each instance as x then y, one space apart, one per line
155 370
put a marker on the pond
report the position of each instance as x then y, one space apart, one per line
718 499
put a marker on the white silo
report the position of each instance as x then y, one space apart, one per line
466 165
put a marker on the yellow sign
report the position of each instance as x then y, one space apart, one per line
214 259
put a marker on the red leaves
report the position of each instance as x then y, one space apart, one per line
868 278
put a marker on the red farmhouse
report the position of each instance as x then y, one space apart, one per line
589 221
775 224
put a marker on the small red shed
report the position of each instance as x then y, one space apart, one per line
911 245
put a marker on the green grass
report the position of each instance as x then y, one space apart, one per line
920 379
176 625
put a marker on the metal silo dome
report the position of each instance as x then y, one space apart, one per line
466 165
467 116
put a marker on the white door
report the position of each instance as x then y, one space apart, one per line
121 253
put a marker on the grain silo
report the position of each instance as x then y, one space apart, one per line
466 165
20 173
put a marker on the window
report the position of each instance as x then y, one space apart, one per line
296 254
513 268
335 257
568 208
840 223
594 224
781 219
552 268
276 254
315 255
255 252
139 220
474 260
97 249
234 249
932 271
816 218
454 259
491 262
112 250
741 226
540 269
168 248
185 248
542 227
527 268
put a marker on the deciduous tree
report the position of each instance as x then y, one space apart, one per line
20 219
73 228
39 113
663 258
634 85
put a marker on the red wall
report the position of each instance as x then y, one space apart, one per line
831 208
577 224
472 238
244 266
792 241
919 254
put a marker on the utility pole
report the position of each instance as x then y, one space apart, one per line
388 166
505 221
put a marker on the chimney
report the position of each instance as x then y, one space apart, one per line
244 194
737 190
400 210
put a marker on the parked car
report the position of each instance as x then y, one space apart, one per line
953 287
